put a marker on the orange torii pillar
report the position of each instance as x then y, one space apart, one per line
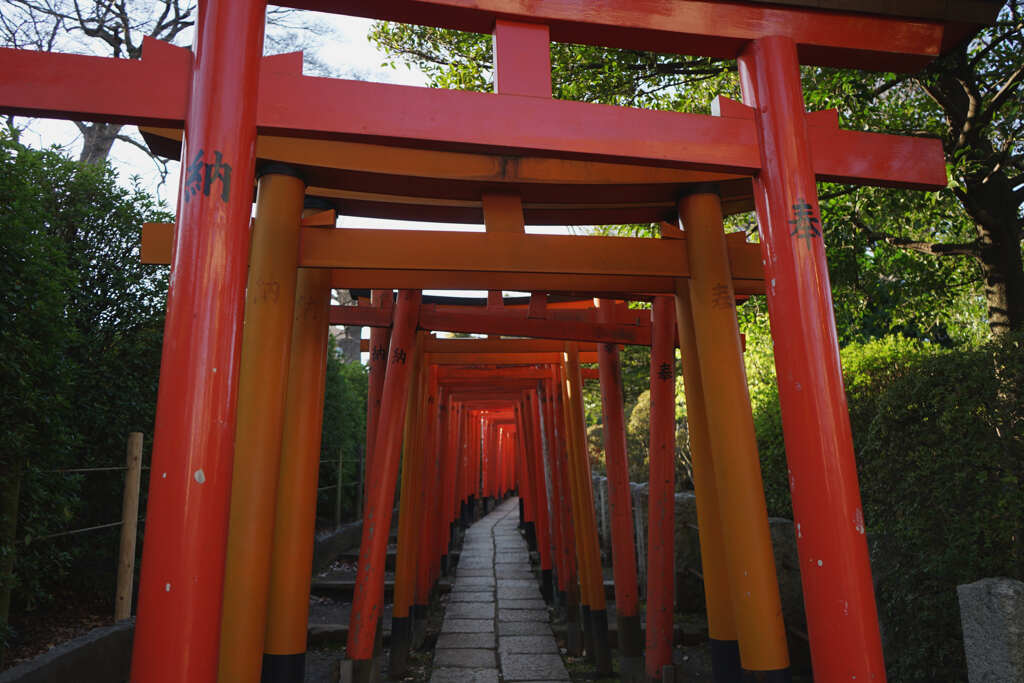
621 508
839 599
177 631
284 644
431 469
410 512
369 593
661 494
379 339
748 553
572 579
526 480
725 653
595 614
262 383
533 412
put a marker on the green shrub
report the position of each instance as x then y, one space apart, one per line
939 439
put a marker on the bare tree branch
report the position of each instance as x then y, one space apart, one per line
920 246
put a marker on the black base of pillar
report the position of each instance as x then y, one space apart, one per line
547 588
419 625
284 668
444 565
522 522
725 661
531 537
588 634
773 676
561 597
365 671
573 630
631 636
602 647
401 642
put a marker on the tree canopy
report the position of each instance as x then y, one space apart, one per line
936 265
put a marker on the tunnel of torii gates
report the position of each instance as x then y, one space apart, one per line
239 405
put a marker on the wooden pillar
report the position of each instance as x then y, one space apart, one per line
262 384
620 504
369 593
842 620
292 559
662 490
595 610
725 653
189 492
751 562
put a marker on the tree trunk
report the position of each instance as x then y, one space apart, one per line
11 472
992 206
97 139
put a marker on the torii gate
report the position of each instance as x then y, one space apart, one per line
225 94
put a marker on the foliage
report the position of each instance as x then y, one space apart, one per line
929 265
938 436
344 432
79 357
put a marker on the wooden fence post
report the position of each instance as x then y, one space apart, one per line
337 489
129 528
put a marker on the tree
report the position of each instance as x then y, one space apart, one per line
79 361
115 28
918 263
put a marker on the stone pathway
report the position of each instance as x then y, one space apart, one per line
496 623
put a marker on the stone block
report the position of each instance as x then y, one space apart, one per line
457 641
523 628
470 610
537 645
465 659
992 616
457 675
523 615
452 625
532 667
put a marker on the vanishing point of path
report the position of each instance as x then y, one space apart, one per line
496 624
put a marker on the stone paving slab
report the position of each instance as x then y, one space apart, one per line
517 582
518 592
467 625
532 667
463 572
470 595
465 659
451 641
522 603
523 615
466 581
523 628
540 645
453 675
470 610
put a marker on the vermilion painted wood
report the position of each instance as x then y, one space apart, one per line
661 494
369 593
619 494
532 406
531 262
702 27
839 600
293 105
522 59
151 91
180 590
381 303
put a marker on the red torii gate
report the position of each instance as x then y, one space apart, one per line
226 93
